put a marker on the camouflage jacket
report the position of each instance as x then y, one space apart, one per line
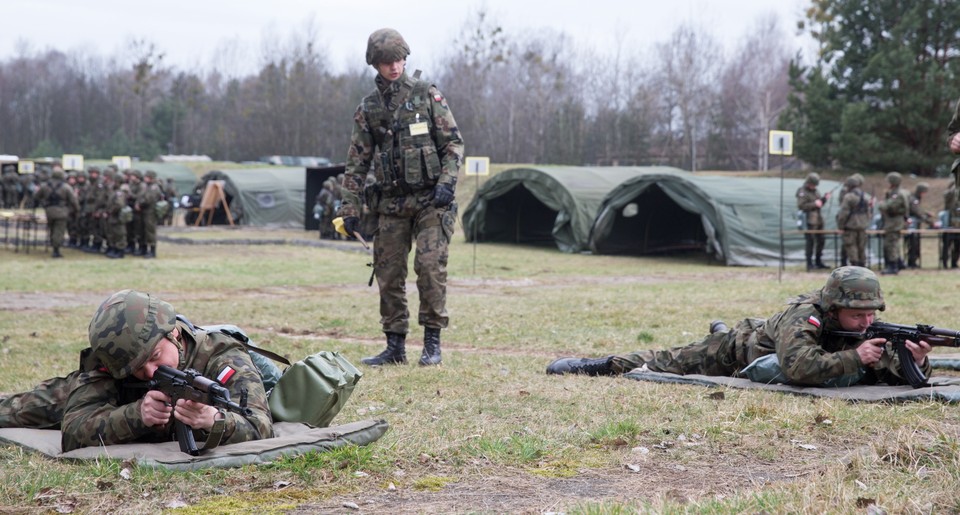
854 211
405 130
808 353
895 209
58 200
104 411
807 202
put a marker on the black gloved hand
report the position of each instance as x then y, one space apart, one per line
442 195
351 224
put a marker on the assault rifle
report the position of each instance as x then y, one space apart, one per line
192 385
899 334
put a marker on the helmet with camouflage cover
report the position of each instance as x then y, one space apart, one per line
852 287
813 178
58 174
126 328
894 178
386 46
922 187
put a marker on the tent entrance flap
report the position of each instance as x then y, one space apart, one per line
652 223
518 217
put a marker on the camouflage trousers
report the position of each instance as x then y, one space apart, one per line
855 246
891 247
814 243
431 228
40 408
148 235
723 353
116 233
57 228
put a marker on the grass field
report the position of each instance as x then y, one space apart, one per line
488 431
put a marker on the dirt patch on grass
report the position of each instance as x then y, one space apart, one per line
518 491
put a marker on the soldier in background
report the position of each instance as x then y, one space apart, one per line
853 218
170 195
951 240
413 197
135 226
894 210
918 216
11 188
58 201
75 227
116 214
800 337
146 206
810 201
104 401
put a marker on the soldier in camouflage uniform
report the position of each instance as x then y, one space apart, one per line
894 210
59 203
113 216
853 218
134 226
11 188
951 241
146 206
917 217
810 201
104 402
808 353
404 130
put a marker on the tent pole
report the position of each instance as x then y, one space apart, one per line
782 255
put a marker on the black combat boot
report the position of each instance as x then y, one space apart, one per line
819 264
151 252
56 253
586 366
890 269
810 266
395 353
717 326
431 347
139 250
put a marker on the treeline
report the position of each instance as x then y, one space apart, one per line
523 98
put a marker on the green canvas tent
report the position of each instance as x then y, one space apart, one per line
271 196
544 205
735 220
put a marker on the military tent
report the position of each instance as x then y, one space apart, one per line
271 196
544 205
735 220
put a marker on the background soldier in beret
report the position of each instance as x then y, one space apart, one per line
808 354
404 129
131 334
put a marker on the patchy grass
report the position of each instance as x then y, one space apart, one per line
488 431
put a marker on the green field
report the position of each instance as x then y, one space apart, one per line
488 431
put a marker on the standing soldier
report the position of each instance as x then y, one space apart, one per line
170 194
918 216
80 234
894 211
810 201
97 197
853 219
116 215
134 226
58 201
11 188
951 240
405 130
150 194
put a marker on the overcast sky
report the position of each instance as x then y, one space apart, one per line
193 33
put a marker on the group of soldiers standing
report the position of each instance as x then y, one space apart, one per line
898 210
105 211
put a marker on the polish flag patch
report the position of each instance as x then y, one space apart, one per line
437 98
814 320
225 374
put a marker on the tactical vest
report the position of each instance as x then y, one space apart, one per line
403 130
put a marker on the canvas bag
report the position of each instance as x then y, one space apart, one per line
311 391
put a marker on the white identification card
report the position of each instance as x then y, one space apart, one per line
416 129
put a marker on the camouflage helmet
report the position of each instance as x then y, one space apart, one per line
894 178
386 46
150 173
58 174
126 328
852 287
922 187
813 178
